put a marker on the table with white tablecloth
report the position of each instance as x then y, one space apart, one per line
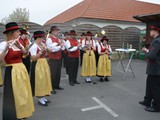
121 53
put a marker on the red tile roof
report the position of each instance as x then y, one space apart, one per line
122 10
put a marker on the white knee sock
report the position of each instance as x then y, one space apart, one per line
41 101
44 99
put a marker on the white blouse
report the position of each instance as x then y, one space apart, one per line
107 46
2 46
33 49
87 42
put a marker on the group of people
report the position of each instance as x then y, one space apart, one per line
34 68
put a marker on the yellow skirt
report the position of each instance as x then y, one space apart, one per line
1 80
43 84
88 64
104 66
22 91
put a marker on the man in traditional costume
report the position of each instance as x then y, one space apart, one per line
26 43
73 46
55 57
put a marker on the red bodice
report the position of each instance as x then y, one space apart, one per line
102 48
24 42
55 55
43 54
13 56
88 41
73 44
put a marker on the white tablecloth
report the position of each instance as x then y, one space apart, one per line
125 50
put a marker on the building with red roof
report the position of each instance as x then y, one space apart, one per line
113 16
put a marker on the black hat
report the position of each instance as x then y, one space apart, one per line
11 26
155 26
43 33
83 34
104 38
23 31
38 34
89 33
72 32
66 33
53 28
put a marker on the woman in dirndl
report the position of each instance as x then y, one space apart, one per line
17 95
1 80
40 72
104 63
89 60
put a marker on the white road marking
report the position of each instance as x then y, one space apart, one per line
91 108
105 107
101 105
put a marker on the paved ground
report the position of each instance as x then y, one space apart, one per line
121 96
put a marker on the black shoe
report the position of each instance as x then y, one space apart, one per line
106 79
48 101
76 82
151 109
71 84
94 83
144 103
53 92
88 81
101 79
42 104
59 88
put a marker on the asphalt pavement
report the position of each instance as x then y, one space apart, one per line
119 96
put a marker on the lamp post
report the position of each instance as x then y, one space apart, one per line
103 32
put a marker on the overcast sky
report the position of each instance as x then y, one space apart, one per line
41 10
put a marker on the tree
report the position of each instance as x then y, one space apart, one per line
18 15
